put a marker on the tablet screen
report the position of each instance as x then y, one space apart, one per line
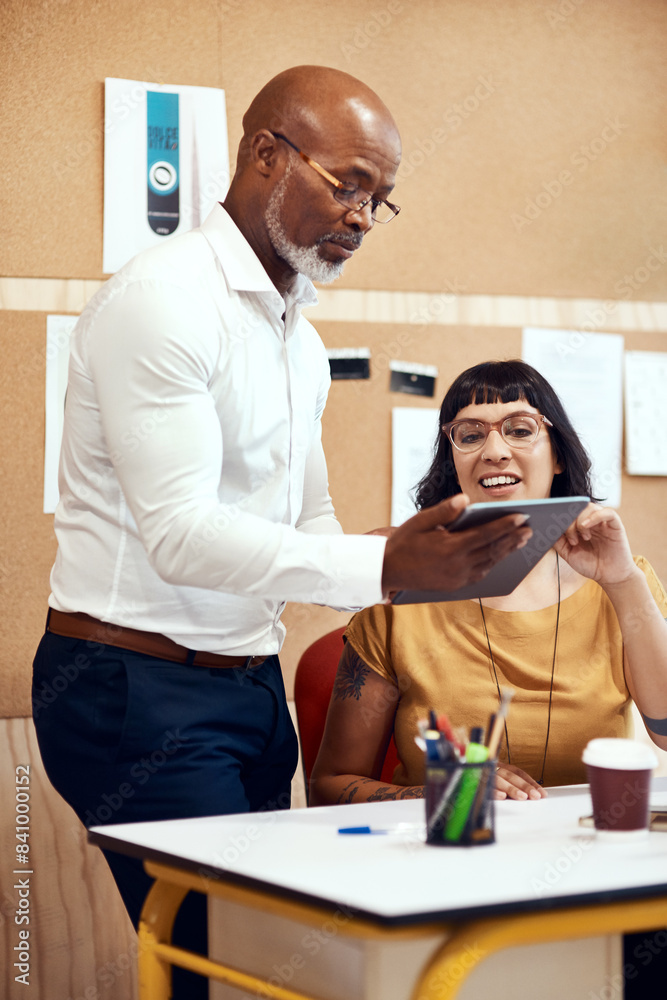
548 519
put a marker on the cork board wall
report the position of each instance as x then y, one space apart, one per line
27 541
534 165
534 146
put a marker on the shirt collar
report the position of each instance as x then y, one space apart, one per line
242 267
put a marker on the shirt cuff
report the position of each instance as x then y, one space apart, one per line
355 577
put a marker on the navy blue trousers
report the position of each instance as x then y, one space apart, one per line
125 737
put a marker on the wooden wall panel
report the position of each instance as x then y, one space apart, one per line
82 945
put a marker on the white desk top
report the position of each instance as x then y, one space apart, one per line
541 857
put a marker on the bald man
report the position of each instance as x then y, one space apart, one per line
193 488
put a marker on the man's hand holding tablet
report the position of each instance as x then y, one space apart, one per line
489 547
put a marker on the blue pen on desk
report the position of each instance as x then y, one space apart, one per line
399 828
359 829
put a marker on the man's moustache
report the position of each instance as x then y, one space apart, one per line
349 242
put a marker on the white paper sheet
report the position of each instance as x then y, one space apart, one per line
58 330
203 163
586 370
413 437
645 413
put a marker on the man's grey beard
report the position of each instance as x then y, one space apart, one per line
304 260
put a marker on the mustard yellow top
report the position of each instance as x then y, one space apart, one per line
437 655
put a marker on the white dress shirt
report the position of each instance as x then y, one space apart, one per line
193 488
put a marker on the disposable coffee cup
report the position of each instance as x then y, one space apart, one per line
619 774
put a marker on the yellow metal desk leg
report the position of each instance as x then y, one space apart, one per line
157 955
476 940
155 927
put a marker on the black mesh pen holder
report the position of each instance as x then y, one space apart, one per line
459 803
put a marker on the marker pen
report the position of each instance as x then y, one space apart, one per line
445 727
437 748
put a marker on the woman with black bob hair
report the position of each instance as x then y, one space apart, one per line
507 382
581 636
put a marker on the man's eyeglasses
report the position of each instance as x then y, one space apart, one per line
519 430
349 195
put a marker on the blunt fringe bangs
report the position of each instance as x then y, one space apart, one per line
506 382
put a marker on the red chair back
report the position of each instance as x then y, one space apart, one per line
313 684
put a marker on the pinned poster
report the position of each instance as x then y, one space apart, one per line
166 163
413 435
645 413
58 330
586 371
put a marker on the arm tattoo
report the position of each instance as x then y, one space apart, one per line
351 790
657 726
350 677
382 794
391 792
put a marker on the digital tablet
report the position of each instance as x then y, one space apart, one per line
548 518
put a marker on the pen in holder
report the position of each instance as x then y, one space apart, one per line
459 803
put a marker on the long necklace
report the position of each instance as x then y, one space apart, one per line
551 686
